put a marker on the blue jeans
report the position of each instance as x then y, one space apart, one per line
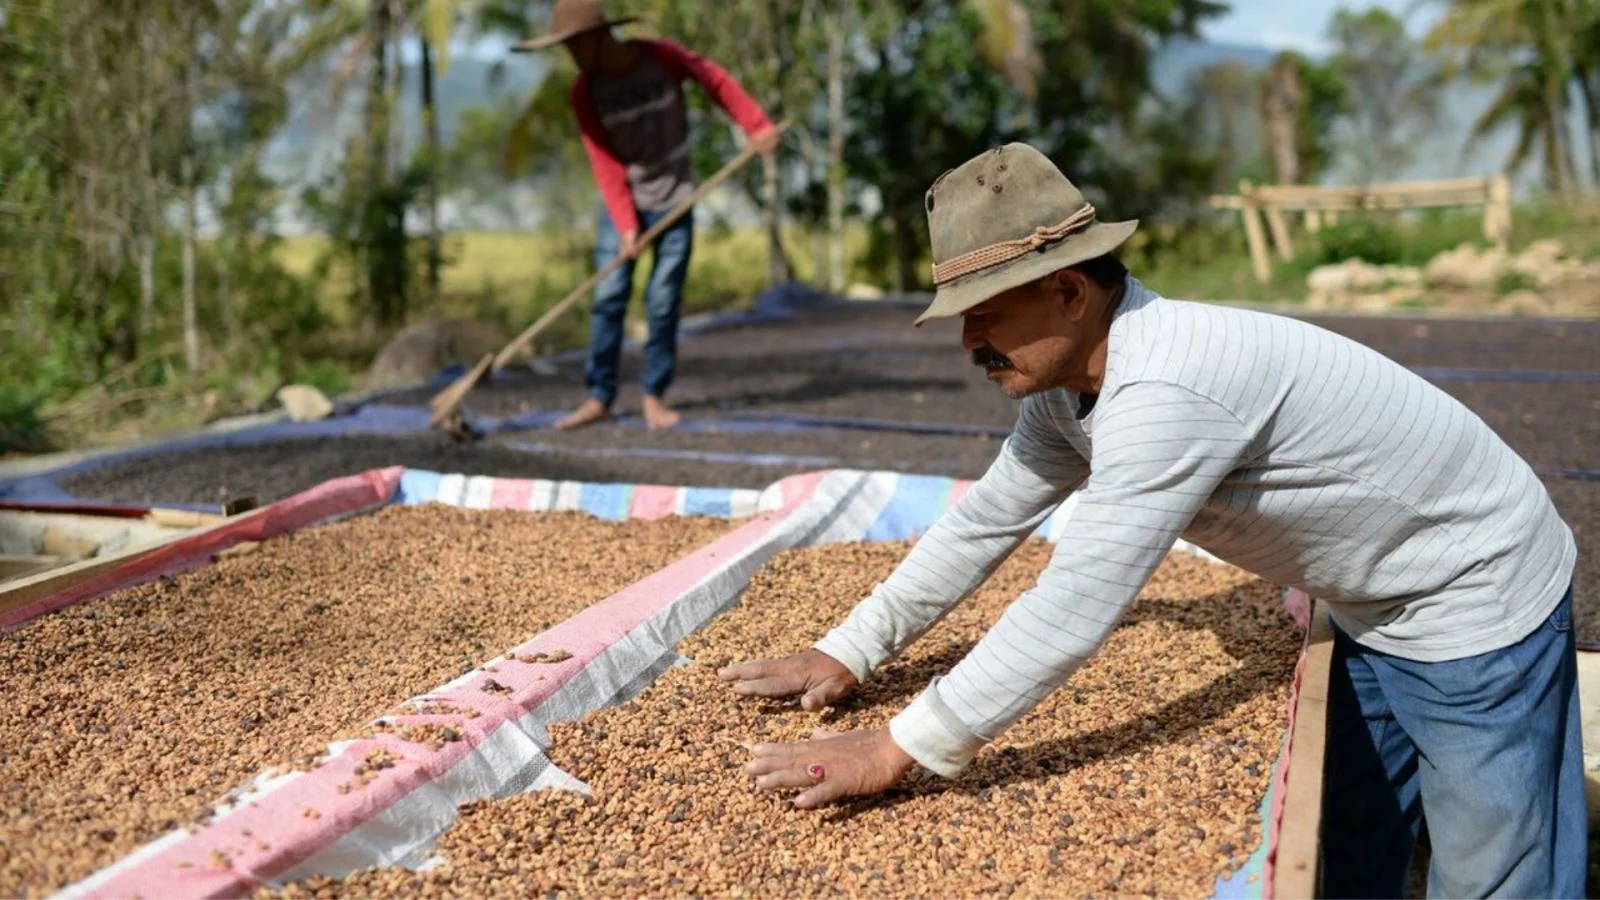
1489 748
663 303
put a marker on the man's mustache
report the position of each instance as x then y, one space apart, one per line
990 358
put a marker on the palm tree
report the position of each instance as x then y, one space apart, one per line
433 38
1524 100
1282 97
1586 42
1008 42
1534 49
1225 97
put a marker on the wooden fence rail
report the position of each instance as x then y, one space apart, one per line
1324 204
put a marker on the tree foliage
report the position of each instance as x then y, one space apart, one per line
1391 88
1539 53
101 140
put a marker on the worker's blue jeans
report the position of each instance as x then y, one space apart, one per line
663 303
1488 748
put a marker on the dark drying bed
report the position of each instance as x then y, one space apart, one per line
865 365
1552 425
1529 344
274 471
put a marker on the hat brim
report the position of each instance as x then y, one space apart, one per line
960 295
545 42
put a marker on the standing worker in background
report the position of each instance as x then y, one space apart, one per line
1282 448
632 113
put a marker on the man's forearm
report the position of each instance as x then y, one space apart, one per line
1161 452
962 549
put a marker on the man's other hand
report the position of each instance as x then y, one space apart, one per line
766 141
819 679
630 245
831 766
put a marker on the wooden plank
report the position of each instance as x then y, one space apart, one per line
1423 201
1300 198
1296 873
1306 193
1276 193
181 518
1373 201
36 587
1440 185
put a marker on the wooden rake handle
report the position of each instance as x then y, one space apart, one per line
504 357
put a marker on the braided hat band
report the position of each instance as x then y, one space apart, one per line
1006 251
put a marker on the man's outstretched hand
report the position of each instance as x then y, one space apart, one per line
830 766
819 679
630 247
766 141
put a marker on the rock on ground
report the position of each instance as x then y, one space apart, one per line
421 350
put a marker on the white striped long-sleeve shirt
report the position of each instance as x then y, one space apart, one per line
1285 449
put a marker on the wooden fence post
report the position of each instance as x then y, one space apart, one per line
1253 233
1280 232
1497 213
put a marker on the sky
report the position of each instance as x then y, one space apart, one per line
1299 24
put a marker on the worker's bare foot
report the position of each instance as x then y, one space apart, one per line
590 412
659 415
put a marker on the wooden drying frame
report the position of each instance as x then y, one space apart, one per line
20 592
1314 202
1298 871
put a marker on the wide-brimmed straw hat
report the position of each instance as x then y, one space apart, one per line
569 19
1004 219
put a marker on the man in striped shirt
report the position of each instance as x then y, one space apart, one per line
634 122
1287 450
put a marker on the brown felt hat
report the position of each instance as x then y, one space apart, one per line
1004 219
569 19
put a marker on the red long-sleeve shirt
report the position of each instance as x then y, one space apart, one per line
635 127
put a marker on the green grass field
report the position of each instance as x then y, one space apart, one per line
513 277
